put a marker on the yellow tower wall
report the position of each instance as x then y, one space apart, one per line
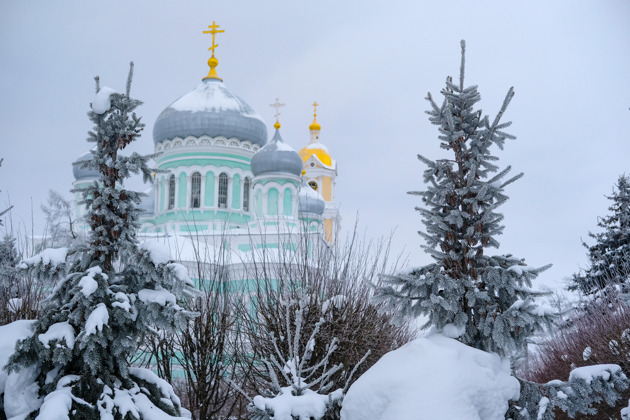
327 188
328 230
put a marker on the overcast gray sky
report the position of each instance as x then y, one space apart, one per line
369 64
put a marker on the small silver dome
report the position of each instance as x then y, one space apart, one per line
84 173
276 157
210 109
309 200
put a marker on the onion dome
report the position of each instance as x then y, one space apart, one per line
309 200
210 109
80 173
318 150
276 157
315 147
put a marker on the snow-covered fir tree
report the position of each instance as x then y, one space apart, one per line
116 291
487 298
609 257
488 295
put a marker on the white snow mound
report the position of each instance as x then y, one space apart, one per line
433 378
159 253
102 101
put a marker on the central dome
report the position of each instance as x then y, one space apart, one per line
211 109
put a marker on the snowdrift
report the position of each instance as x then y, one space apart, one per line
434 377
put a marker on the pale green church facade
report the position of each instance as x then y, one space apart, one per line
221 181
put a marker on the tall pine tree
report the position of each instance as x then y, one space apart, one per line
486 296
609 257
116 292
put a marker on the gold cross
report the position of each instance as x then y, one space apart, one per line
276 105
213 30
315 105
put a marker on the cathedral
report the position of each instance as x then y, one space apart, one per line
221 178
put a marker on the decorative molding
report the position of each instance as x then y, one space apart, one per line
192 141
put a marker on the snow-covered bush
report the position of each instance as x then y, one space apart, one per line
200 358
113 292
20 292
330 284
599 334
299 387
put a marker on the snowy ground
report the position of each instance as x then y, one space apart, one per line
434 377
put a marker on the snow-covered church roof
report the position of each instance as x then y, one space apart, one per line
210 109
276 157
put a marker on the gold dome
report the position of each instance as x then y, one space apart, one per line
318 150
315 125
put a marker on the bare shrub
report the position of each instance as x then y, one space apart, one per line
331 284
598 334
21 293
240 308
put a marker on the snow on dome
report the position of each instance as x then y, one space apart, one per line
434 377
210 109
317 146
276 157
317 149
309 200
102 102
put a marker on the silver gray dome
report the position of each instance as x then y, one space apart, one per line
84 173
309 200
276 157
210 109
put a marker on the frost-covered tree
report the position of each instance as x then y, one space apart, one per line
59 220
488 295
115 293
609 257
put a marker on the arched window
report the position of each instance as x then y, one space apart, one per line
223 190
246 194
287 203
171 192
272 202
195 190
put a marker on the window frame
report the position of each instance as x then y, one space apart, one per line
195 190
222 190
